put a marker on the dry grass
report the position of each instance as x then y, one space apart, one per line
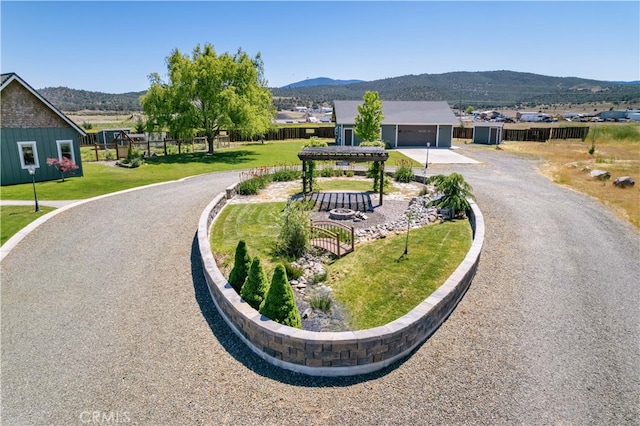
565 162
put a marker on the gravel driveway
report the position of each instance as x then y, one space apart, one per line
106 317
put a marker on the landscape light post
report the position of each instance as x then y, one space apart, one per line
32 172
426 165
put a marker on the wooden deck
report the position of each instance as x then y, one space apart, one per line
357 201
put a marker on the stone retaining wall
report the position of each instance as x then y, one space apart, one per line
340 353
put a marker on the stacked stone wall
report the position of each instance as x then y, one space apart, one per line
339 353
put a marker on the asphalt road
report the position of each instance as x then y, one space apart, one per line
106 320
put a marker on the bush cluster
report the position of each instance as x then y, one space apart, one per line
404 172
254 185
293 240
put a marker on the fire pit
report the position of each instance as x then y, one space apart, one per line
341 214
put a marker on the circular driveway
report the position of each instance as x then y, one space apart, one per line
106 317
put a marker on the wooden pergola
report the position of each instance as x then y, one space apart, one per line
343 153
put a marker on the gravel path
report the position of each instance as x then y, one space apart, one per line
105 313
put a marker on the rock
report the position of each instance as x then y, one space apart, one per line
586 169
307 313
624 182
600 174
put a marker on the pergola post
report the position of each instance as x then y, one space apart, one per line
381 180
304 177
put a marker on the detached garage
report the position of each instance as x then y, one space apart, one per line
405 123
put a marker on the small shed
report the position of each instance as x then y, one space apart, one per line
487 132
32 130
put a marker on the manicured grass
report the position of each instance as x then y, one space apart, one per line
255 223
617 150
14 218
378 284
99 179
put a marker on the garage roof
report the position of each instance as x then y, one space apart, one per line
400 112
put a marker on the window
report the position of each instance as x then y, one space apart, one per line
28 153
65 150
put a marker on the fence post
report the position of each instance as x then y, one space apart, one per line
165 146
95 148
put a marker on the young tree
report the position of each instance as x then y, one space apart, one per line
455 191
241 265
369 118
64 166
279 304
208 92
256 285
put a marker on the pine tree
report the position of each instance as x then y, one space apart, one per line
256 285
238 274
280 305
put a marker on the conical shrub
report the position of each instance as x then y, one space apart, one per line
280 304
256 285
240 267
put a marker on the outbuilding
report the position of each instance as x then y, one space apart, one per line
31 131
405 123
487 132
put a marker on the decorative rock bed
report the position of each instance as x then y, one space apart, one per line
335 353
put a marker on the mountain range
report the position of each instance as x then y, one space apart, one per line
482 89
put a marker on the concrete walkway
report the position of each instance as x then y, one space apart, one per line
106 319
49 203
437 156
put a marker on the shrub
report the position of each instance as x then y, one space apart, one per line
321 302
241 265
279 304
404 172
293 239
314 141
285 175
256 285
254 185
327 171
293 272
349 173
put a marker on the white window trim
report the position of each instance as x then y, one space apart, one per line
34 146
66 141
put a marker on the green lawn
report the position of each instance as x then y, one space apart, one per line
99 179
14 218
376 283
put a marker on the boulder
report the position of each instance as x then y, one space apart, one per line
624 182
600 174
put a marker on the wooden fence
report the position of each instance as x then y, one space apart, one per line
531 135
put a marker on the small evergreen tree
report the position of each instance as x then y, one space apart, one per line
238 274
279 304
256 285
455 191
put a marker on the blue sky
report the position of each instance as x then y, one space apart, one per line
113 46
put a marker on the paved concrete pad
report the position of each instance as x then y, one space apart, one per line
436 156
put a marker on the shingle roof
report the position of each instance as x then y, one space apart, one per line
6 79
400 112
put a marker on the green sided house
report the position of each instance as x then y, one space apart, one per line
32 130
405 123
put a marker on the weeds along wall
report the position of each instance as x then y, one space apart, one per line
341 353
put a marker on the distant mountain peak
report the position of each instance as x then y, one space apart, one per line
320 81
